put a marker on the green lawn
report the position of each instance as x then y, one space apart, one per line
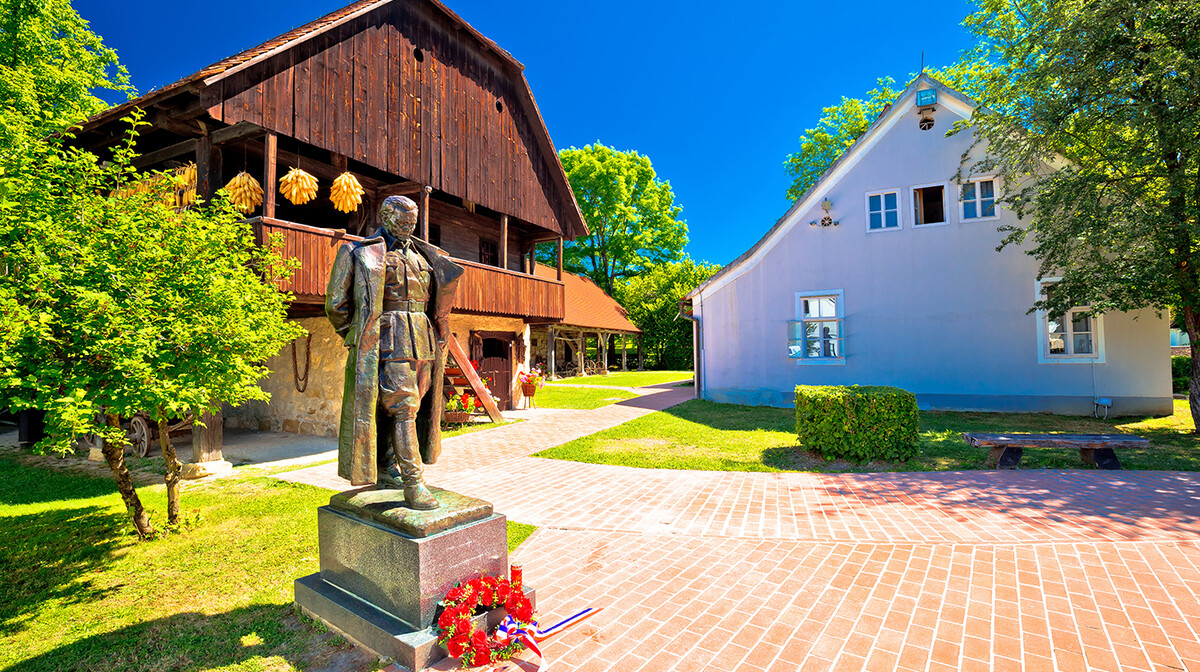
628 379
578 397
81 593
471 427
726 437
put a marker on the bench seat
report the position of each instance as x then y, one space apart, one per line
1094 449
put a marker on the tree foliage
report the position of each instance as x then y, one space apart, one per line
1092 120
114 299
652 301
632 218
840 125
50 65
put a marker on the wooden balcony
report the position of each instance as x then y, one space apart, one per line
483 289
494 291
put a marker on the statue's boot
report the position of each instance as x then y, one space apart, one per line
408 460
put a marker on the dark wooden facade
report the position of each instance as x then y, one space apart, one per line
404 90
408 98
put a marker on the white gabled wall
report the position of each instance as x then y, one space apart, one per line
935 309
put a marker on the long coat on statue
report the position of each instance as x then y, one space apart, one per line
354 304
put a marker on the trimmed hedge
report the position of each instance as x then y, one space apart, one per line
1181 373
859 423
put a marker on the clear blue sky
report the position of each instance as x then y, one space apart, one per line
715 94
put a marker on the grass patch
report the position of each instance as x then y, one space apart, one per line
726 437
578 397
81 593
628 379
518 533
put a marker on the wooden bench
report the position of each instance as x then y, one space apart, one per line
1094 449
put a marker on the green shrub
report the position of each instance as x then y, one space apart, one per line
858 423
1181 372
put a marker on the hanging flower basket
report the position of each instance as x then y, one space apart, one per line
529 389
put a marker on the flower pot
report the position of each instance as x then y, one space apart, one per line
528 389
456 417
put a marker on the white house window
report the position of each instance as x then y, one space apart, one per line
883 211
1071 336
817 334
979 199
929 205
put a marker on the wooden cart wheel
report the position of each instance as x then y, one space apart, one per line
139 435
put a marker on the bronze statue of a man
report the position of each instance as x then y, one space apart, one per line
390 297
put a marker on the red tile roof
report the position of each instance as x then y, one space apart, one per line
587 305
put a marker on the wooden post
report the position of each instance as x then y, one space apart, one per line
208 168
208 441
504 242
560 258
624 348
425 216
270 157
602 351
532 257
640 352
550 348
582 341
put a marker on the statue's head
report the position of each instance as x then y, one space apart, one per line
399 216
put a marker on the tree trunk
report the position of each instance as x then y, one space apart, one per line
1191 321
172 477
114 454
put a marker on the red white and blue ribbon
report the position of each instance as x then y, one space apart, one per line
530 635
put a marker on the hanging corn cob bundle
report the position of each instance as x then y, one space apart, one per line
346 193
185 181
298 186
245 192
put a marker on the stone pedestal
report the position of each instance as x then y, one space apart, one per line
384 568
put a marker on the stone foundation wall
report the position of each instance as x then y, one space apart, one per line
315 411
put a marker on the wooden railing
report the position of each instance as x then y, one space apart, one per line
315 249
482 289
494 291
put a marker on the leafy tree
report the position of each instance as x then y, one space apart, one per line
842 124
652 301
50 64
116 300
631 215
1091 121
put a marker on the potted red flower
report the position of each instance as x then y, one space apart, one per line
459 409
531 380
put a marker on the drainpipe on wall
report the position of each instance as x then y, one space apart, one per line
697 347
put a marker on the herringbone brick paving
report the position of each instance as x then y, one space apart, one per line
1034 570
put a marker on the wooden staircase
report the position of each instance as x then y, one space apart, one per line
460 375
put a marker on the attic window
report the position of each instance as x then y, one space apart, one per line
929 205
418 54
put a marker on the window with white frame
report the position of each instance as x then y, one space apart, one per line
883 210
929 205
1073 335
979 199
816 334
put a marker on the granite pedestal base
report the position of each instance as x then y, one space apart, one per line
384 568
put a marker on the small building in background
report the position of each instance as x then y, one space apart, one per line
886 273
593 322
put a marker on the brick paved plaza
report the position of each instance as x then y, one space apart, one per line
1035 570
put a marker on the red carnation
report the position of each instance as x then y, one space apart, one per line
479 639
502 592
487 597
456 593
446 619
457 646
462 624
483 655
524 611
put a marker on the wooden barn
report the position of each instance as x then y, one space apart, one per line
409 99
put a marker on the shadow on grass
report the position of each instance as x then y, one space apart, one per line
24 484
733 417
192 641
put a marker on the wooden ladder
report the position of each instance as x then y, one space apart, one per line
460 374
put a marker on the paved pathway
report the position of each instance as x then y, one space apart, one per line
1036 570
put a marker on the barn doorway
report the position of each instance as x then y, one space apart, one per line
496 366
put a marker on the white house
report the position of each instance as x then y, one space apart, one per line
886 273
